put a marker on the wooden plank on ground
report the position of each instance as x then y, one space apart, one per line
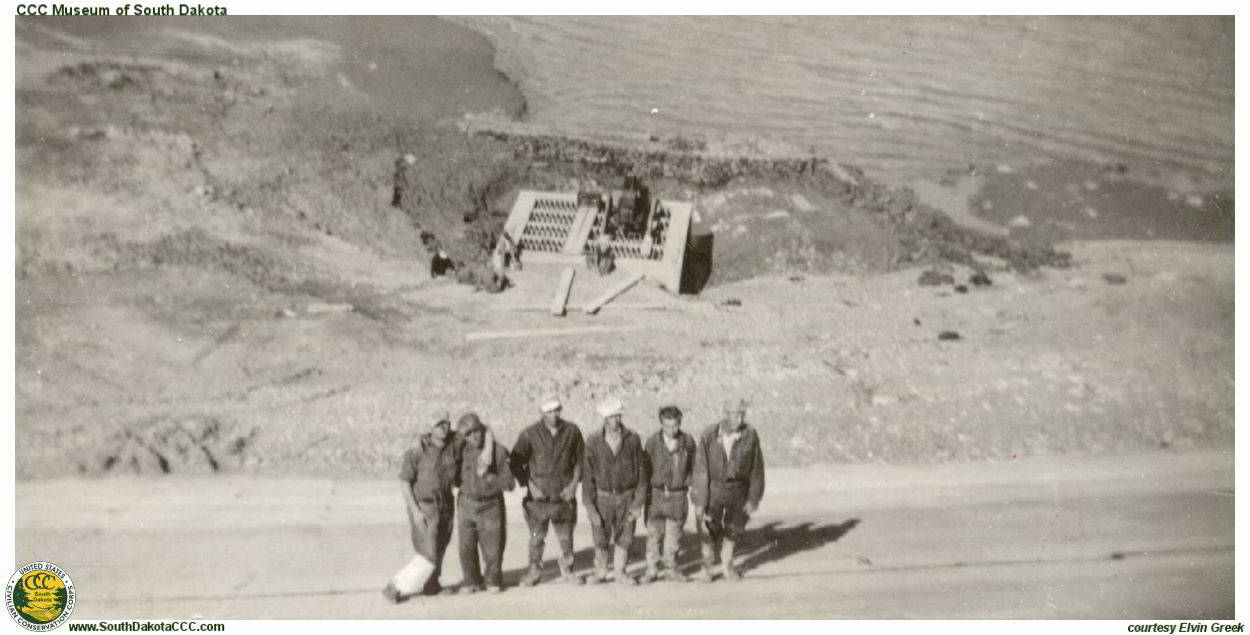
615 306
607 297
562 291
582 223
530 333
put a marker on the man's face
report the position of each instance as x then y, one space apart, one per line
612 423
551 417
440 431
476 438
670 426
737 419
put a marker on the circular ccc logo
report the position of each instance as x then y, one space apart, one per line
39 596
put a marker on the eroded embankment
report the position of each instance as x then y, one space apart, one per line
195 234
917 233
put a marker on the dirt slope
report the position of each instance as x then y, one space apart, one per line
211 277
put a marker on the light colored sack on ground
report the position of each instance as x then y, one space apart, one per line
411 579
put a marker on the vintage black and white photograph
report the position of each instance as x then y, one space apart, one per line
622 317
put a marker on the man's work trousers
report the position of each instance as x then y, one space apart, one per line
481 526
665 519
726 508
561 515
665 532
431 533
611 523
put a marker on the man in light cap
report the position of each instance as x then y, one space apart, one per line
484 477
613 489
728 483
428 473
547 458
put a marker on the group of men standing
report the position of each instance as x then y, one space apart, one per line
622 479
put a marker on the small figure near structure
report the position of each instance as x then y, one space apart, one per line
441 264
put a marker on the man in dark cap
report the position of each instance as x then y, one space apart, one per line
428 473
670 459
547 458
613 489
728 483
484 477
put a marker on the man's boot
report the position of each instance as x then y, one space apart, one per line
622 560
727 561
653 562
566 570
532 574
601 567
674 574
709 558
391 593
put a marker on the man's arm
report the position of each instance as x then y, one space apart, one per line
699 479
519 459
486 457
408 476
590 493
503 475
410 503
579 452
756 491
640 490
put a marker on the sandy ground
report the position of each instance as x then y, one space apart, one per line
1138 535
839 368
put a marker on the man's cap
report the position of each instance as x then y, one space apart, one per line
610 407
469 423
550 404
734 405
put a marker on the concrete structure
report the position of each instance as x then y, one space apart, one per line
559 227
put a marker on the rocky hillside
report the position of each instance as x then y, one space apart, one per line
212 276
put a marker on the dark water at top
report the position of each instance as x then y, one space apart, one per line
418 65
905 97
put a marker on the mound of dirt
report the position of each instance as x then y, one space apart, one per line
826 218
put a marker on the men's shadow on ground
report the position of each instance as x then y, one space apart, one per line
768 543
583 562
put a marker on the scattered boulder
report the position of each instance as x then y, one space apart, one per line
934 278
801 203
959 288
980 279
949 335
1114 278
731 302
321 308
